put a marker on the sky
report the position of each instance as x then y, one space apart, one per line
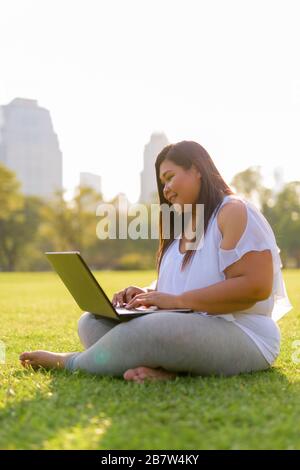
112 72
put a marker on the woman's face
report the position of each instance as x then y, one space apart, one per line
180 186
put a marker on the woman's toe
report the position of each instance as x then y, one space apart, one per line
26 363
28 359
129 374
24 356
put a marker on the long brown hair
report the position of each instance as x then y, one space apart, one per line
213 188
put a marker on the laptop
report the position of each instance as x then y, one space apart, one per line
87 292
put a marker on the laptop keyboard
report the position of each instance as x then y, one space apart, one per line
122 310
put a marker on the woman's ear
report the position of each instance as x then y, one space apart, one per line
197 172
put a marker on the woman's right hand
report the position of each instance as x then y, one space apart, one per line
124 296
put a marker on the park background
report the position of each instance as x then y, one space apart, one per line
224 74
29 226
113 75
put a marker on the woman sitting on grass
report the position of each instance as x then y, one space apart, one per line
232 282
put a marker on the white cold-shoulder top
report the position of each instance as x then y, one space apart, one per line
207 268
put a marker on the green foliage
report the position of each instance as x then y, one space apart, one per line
134 261
18 231
61 410
30 226
282 210
10 197
284 217
248 182
70 225
19 220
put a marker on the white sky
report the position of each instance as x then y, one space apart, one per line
222 73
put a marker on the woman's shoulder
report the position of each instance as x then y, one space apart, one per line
232 215
243 221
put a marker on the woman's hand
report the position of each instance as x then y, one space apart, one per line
125 295
159 299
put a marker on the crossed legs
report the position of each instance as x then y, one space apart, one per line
157 346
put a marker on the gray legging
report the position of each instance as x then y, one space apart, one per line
187 343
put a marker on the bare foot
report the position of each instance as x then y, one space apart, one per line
140 374
46 359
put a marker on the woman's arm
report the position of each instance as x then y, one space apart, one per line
249 280
233 294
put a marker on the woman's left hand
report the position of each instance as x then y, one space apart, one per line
159 299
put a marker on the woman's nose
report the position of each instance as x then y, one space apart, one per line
166 189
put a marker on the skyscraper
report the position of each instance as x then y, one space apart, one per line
148 177
29 147
91 180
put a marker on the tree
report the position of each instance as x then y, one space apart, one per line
10 196
71 225
11 203
249 184
284 217
19 230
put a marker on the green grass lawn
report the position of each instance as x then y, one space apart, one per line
61 410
